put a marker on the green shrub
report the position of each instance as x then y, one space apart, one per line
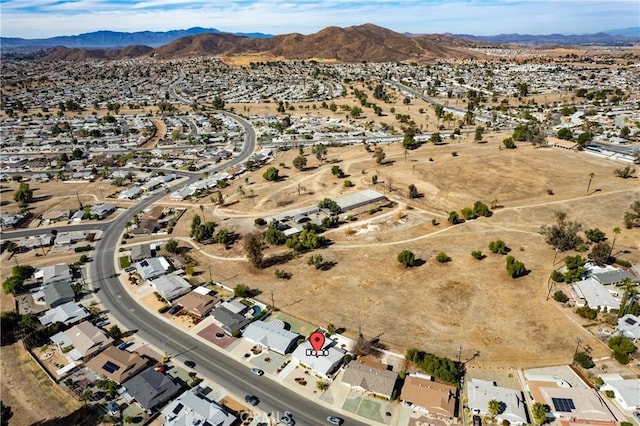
610 394
584 360
587 312
477 254
163 309
498 247
559 296
557 276
80 249
622 262
442 257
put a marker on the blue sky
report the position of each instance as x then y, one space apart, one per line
47 18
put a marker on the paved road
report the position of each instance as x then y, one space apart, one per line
226 371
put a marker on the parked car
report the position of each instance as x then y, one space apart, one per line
190 364
161 368
251 399
257 371
477 421
287 419
102 323
335 420
124 345
174 309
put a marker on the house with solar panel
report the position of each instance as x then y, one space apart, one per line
194 408
117 365
629 327
579 406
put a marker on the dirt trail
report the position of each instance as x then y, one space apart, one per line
161 131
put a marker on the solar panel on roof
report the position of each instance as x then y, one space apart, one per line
178 408
630 321
110 367
564 405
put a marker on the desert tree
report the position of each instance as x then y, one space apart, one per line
320 151
563 235
591 176
413 191
300 162
406 258
616 231
379 155
253 246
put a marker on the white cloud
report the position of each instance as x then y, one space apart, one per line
306 16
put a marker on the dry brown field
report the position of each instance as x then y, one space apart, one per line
32 396
436 307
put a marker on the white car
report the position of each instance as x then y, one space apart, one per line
257 371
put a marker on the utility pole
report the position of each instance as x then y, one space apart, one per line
210 278
578 341
273 303
79 203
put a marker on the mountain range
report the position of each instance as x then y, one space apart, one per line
114 39
352 44
360 43
620 37
110 39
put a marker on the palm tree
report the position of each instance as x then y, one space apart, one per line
616 231
591 176
494 407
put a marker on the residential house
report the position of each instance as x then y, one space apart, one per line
10 221
82 341
155 213
198 302
480 392
58 293
140 252
117 365
629 326
369 378
626 391
230 322
102 210
272 335
54 273
193 408
36 242
145 226
613 276
424 394
170 286
151 388
55 215
592 293
131 193
577 405
66 313
151 268
325 365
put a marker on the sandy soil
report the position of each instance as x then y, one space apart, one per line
437 307
56 194
31 395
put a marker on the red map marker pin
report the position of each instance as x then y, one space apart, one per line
317 341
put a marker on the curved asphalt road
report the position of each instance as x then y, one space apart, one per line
226 371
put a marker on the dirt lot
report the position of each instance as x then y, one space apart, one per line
57 194
437 307
23 389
